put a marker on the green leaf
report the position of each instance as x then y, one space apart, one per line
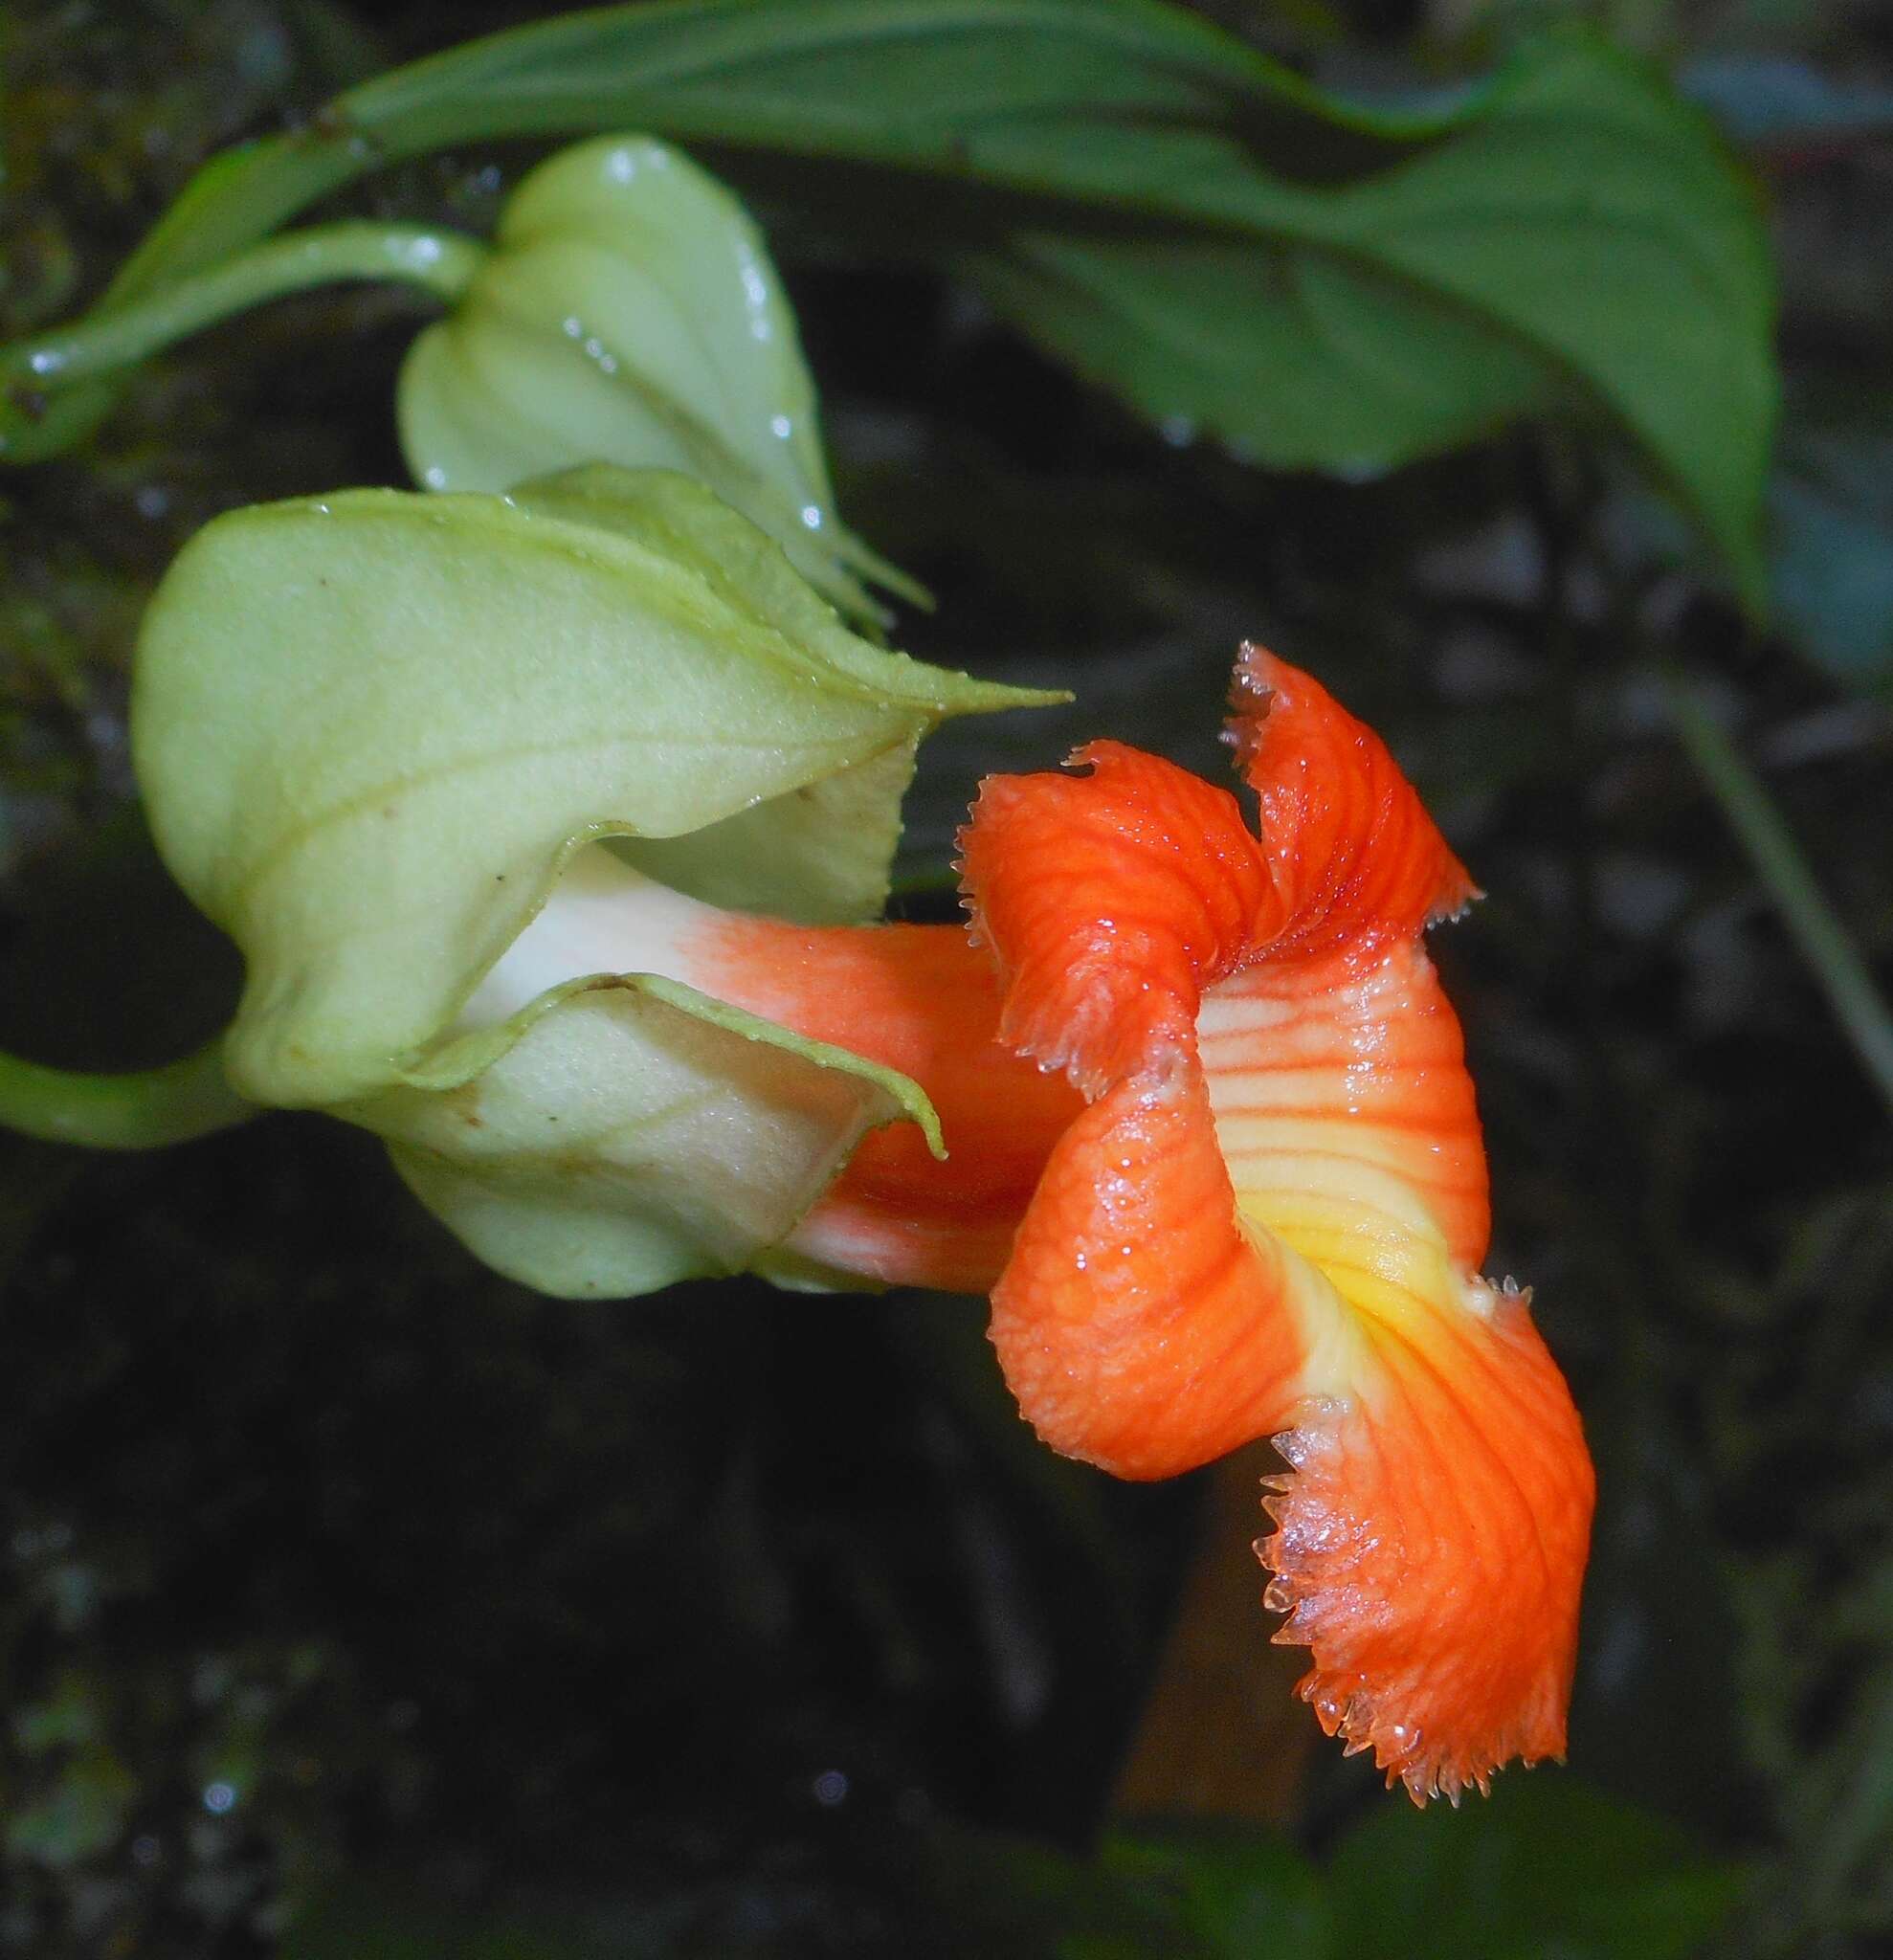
1013 1899
1185 331
1238 1891
84 1813
372 730
1546 1865
1188 222
1582 242
367 1920
630 314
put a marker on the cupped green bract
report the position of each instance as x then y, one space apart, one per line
372 731
631 1132
630 314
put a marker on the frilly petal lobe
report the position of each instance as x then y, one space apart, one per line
1352 853
1429 1548
1109 901
1269 1216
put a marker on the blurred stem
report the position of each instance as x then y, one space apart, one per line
103 342
141 1111
1823 939
1222 1734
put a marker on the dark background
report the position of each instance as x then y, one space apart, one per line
349 1588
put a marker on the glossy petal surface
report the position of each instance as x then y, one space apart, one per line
1269 1217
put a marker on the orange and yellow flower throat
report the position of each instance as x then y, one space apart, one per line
1213 1150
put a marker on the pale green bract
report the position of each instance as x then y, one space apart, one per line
374 729
629 313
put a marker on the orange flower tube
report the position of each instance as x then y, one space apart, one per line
1213 1148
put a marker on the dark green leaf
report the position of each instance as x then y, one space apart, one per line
1237 1891
1579 236
1546 1867
1296 357
1009 1899
363 1923
1185 220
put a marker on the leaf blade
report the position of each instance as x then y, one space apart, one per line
1575 211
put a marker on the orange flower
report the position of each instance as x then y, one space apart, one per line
1187 1100
1257 1209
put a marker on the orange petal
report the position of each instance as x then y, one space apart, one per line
1343 1078
1431 1546
1139 1326
1109 900
1137 1323
1269 1217
1353 855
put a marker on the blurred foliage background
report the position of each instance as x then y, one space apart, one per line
357 1602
